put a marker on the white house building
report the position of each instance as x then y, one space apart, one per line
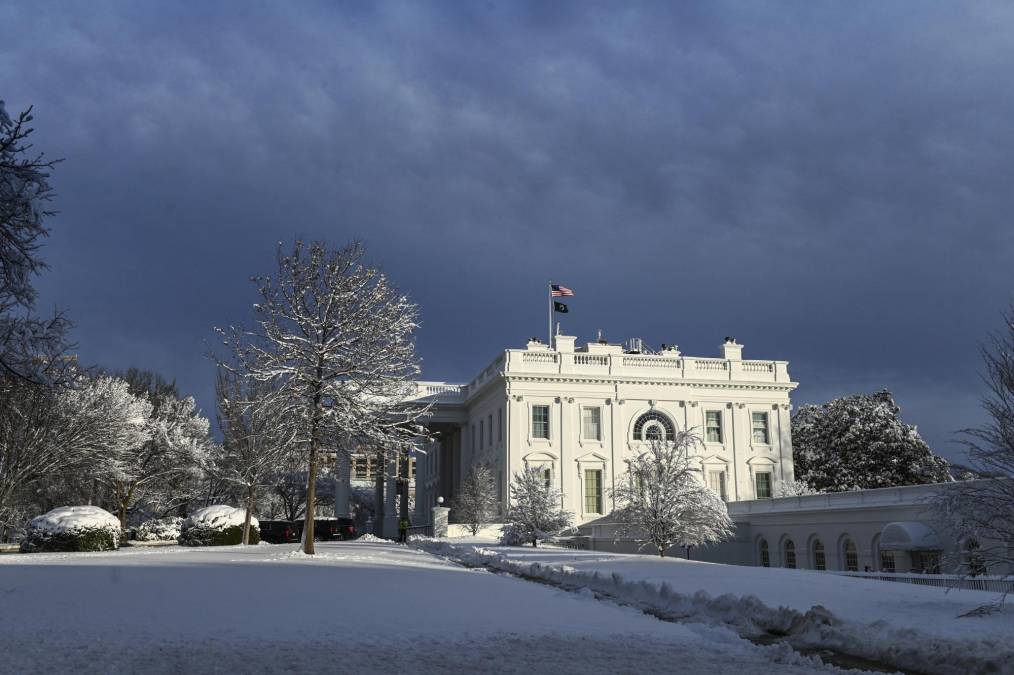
579 412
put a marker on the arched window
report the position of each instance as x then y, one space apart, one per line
850 555
654 426
789 550
765 554
819 556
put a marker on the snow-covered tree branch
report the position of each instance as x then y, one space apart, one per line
475 505
662 501
536 510
982 511
858 443
256 440
337 339
29 345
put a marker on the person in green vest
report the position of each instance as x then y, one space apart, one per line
403 531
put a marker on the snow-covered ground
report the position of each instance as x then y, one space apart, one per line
359 607
911 626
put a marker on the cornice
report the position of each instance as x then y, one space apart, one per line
694 384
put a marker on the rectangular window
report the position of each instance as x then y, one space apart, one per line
759 423
547 477
360 467
713 425
481 435
763 484
716 481
473 439
593 491
591 424
489 428
886 561
540 421
499 424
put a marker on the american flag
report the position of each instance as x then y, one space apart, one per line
559 291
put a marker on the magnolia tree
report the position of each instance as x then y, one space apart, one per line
796 488
982 511
29 344
255 442
536 510
663 502
337 339
475 504
859 443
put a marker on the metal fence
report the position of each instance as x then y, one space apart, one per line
993 584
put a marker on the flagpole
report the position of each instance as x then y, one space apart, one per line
550 291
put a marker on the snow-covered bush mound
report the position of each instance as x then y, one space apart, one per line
73 528
159 529
218 525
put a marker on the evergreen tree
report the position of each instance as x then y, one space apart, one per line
859 442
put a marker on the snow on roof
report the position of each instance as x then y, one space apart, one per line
909 535
71 518
219 515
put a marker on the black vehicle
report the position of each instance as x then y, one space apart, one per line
332 529
280 531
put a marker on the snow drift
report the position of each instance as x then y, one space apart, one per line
73 528
816 628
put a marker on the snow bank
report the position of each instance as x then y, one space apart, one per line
218 525
73 528
816 628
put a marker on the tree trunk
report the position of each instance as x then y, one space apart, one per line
535 543
311 499
311 474
249 512
661 552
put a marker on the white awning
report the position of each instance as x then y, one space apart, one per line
909 535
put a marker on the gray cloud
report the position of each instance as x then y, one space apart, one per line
830 183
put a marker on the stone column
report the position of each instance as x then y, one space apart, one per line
342 488
440 521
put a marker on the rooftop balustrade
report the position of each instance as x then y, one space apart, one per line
664 366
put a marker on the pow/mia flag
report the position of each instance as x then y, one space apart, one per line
560 307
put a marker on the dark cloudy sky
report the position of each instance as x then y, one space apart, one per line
830 182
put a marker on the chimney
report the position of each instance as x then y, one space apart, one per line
731 350
565 343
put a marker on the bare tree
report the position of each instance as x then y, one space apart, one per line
476 502
982 511
536 510
256 442
27 342
663 501
338 338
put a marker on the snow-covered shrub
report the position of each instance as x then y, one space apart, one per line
73 528
218 525
159 529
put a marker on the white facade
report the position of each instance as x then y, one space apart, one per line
883 530
581 412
